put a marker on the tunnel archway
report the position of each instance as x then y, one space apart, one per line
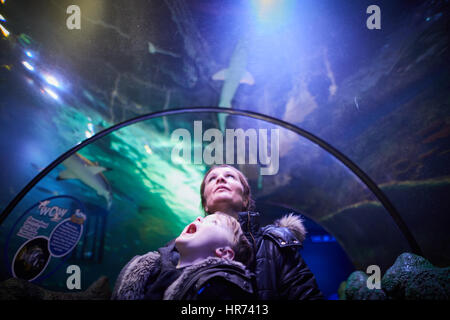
348 213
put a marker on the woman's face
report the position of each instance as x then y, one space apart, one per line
223 191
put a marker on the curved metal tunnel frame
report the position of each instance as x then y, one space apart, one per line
327 147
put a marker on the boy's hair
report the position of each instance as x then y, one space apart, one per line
243 251
247 194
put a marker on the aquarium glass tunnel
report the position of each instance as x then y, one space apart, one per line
111 114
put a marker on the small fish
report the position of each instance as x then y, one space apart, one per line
154 50
333 87
35 166
356 103
42 189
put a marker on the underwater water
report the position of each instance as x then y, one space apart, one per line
378 99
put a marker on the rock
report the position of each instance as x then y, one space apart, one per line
355 282
19 289
356 288
429 284
409 270
341 290
411 277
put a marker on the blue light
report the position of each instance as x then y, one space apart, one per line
201 290
29 54
273 14
322 238
333 296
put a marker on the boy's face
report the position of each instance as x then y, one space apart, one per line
203 236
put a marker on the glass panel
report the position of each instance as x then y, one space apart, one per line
136 188
379 96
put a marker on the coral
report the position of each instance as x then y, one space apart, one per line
341 290
396 278
356 288
411 277
429 284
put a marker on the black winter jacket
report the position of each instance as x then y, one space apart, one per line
281 272
213 278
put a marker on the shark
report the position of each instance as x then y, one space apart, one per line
232 77
81 168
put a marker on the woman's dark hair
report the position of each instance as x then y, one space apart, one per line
247 194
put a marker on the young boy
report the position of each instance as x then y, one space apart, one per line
213 253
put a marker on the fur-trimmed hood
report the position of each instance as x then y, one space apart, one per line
295 224
130 284
278 258
133 278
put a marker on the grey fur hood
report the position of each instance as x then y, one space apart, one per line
132 280
294 223
130 284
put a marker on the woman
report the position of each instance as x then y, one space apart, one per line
281 272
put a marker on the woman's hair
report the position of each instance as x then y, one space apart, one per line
247 195
243 251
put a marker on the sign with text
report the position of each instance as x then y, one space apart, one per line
44 236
